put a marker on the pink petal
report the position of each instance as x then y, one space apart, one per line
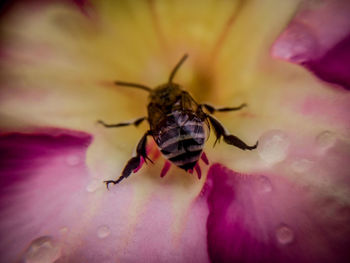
41 176
267 218
47 203
319 38
334 65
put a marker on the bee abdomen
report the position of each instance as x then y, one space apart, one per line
184 152
182 144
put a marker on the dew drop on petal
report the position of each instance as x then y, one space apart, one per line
264 184
94 185
103 231
273 146
284 235
326 140
42 250
301 166
73 160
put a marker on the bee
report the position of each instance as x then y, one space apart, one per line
178 124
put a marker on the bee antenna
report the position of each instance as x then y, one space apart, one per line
178 65
134 85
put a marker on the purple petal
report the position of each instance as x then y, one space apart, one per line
34 172
257 218
334 65
318 38
51 207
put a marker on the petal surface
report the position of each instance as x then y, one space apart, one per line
67 60
52 207
318 38
43 178
269 218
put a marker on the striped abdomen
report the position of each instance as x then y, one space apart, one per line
181 138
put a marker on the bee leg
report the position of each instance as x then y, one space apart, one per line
136 122
134 162
220 132
212 109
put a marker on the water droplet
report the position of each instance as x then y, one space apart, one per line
301 166
103 231
284 235
73 160
42 250
326 140
265 185
273 146
94 185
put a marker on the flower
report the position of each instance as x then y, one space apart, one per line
287 201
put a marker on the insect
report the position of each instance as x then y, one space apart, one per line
178 125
